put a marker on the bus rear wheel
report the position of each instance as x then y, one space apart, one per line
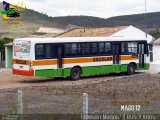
131 69
76 73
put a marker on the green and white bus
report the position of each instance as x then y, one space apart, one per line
75 57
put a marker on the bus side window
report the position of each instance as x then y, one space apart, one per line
101 48
123 48
94 48
150 51
72 49
54 52
68 50
39 51
107 48
85 49
45 51
132 48
48 51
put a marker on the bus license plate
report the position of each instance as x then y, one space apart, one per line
24 62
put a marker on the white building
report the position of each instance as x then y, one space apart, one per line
132 32
156 50
155 65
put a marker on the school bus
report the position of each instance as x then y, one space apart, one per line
75 57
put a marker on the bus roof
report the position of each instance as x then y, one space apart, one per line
79 39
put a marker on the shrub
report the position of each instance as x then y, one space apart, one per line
4 41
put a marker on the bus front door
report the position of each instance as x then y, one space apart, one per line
60 61
116 56
141 55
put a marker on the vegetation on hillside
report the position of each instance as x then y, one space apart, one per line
4 41
137 20
155 33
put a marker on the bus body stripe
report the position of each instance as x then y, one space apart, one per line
129 57
77 60
44 62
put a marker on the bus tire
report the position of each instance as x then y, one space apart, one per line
76 73
131 69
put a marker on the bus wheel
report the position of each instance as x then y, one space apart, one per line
131 69
75 73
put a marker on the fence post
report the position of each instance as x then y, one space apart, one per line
124 116
85 104
20 104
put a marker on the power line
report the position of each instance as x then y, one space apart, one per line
146 26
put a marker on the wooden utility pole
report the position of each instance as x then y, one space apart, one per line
146 16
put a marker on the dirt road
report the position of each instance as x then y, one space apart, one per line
8 80
62 96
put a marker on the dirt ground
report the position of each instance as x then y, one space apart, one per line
8 80
62 96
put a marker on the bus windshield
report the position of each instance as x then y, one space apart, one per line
22 48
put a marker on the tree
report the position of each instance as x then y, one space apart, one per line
155 33
4 41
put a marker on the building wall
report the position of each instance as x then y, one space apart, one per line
156 53
8 56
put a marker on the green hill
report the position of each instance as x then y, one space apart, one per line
137 20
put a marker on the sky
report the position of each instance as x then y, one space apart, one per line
97 8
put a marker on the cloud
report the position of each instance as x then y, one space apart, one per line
99 8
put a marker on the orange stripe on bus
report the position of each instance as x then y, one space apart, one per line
44 62
74 60
77 60
129 57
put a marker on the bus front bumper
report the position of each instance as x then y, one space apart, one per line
23 72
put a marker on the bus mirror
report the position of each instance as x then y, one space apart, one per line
149 47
